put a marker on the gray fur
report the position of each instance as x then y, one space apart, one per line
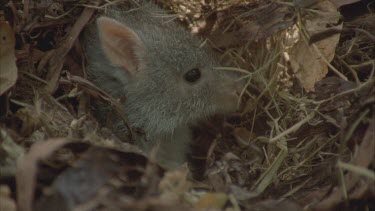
158 99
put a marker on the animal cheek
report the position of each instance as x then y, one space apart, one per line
185 90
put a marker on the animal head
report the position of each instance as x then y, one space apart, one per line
171 79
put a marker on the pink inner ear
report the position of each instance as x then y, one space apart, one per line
121 45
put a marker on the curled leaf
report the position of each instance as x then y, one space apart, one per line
8 67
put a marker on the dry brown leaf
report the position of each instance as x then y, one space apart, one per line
309 3
9 152
307 62
174 184
212 200
340 3
58 58
7 203
353 183
30 118
243 135
8 67
270 18
275 205
92 177
27 169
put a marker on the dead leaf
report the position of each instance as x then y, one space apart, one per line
57 60
30 120
93 175
269 19
353 182
8 67
243 136
27 169
212 200
276 205
310 3
174 184
340 3
96 92
310 62
7 202
9 151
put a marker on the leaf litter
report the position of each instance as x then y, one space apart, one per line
8 76
304 138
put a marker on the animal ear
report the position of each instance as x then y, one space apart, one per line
120 44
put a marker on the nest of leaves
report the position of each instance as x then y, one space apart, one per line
304 138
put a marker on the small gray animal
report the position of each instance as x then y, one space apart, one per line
167 77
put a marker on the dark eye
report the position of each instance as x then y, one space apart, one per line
192 75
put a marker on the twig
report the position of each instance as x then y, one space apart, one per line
57 60
352 71
361 86
332 31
